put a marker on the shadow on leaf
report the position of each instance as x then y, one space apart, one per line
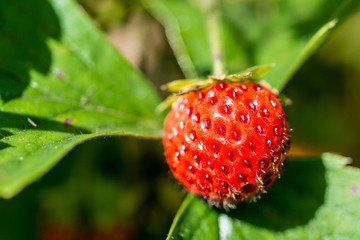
4 133
4 145
26 122
23 36
292 201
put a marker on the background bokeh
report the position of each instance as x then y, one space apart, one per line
120 187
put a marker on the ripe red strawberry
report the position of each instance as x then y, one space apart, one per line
226 143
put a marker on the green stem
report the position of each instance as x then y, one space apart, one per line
214 32
189 198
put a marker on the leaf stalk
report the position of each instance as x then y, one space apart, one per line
214 33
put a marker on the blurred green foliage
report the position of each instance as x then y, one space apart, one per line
251 33
325 95
113 187
110 12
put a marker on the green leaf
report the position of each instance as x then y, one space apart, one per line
253 33
316 198
256 71
61 83
312 45
185 85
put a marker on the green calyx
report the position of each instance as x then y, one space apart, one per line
183 86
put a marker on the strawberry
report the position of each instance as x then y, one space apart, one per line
226 142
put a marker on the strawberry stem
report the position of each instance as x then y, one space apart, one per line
214 32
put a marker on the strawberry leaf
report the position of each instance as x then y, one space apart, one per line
256 71
253 33
61 83
316 198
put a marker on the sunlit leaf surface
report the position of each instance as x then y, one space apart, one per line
61 83
316 198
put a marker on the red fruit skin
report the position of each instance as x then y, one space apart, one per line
226 143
